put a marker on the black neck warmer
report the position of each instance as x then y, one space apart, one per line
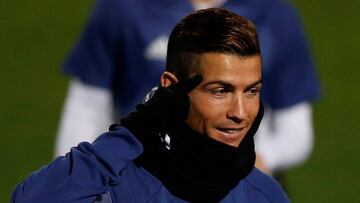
197 168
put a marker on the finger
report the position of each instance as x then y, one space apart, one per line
188 84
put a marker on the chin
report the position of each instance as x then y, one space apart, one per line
233 144
231 140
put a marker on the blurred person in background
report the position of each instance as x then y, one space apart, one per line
122 51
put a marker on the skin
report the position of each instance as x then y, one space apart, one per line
224 105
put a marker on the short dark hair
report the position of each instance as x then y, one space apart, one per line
214 30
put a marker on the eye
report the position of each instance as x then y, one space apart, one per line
252 92
219 91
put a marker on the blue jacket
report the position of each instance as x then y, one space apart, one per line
104 172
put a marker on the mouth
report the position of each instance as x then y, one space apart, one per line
231 133
230 136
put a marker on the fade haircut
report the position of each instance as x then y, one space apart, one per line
214 30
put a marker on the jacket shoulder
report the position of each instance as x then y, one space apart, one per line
266 186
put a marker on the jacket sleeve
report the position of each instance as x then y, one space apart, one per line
84 174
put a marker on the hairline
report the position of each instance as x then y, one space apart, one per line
191 71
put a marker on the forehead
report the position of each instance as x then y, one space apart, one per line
230 68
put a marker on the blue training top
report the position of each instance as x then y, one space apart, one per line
104 172
123 49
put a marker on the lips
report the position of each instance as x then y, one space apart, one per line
231 132
229 135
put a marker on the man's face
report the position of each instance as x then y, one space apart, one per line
225 104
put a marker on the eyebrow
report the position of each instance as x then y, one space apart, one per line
226 84
260 81
218 82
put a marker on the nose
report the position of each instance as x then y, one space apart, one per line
236 111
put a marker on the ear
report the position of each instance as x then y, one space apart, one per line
168 79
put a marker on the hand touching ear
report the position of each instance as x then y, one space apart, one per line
166 108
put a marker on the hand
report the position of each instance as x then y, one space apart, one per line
165 109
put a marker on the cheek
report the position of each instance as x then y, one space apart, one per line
205 108
253 108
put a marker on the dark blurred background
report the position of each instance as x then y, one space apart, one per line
35 36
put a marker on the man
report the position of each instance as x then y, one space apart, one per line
192 139
124 42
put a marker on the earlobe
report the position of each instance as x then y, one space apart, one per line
168 79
